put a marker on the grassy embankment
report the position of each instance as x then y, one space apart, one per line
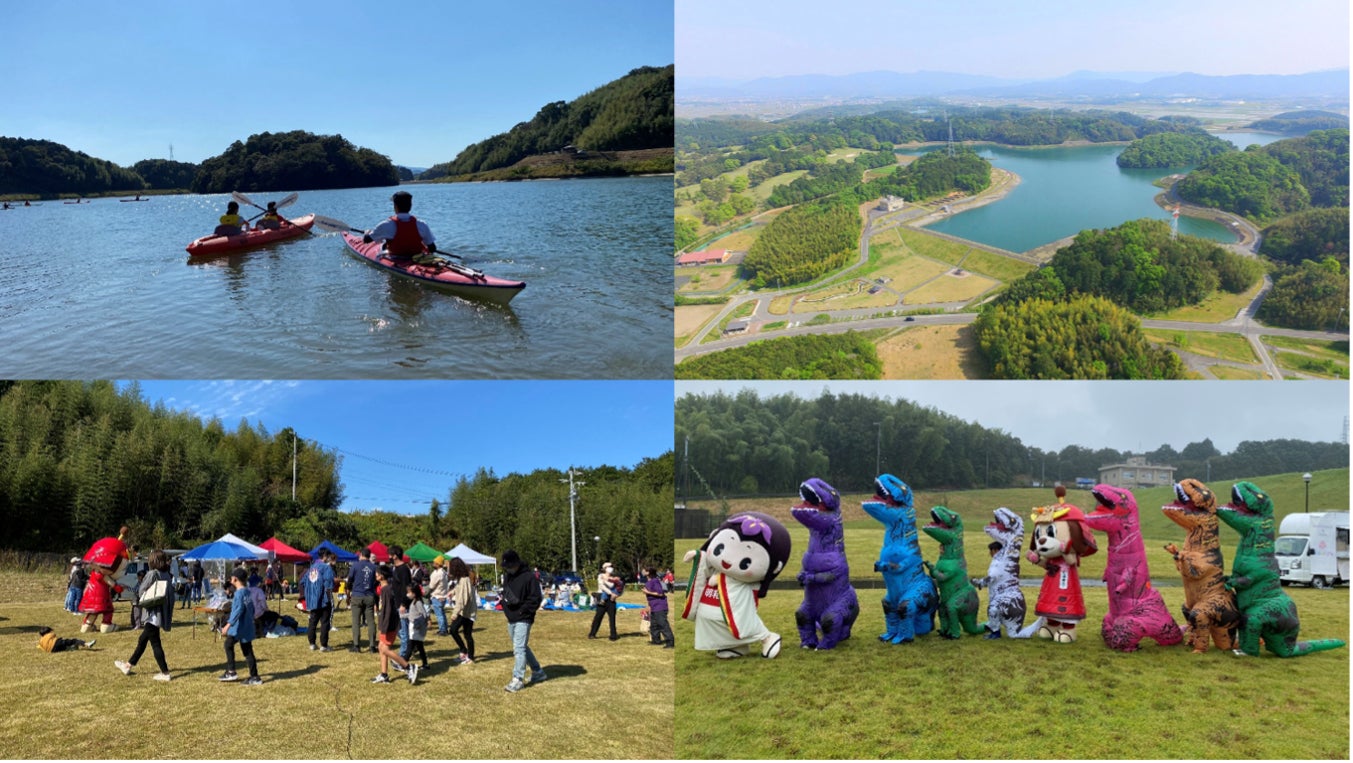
603 699
973 698
649 161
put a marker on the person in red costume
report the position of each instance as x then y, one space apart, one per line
107 559
1060 538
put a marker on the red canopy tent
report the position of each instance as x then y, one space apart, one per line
378 551
284 552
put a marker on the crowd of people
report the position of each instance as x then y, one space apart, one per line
392 604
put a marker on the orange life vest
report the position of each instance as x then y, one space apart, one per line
407 241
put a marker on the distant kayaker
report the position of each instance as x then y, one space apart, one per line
405 236
231 224
27 204
270 219
7 206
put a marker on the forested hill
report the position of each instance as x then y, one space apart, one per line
48 168
630 113
294 160
1301 122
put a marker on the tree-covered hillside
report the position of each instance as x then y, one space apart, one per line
1172 150
813 356
1264 183
804 243
294 160
633 112
166 174
1301 122
48 168
1312 234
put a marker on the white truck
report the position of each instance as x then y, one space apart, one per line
1313 548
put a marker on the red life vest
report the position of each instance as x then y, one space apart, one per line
407 241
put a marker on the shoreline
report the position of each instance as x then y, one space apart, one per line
1003 183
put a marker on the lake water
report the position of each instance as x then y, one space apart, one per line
106 290
1243 139
1063 191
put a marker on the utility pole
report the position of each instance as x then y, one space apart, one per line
878 447
293 467
572 521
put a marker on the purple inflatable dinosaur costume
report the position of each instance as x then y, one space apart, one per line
1136 610
829 601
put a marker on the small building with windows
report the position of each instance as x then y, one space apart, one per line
1137 473
890 204
708 257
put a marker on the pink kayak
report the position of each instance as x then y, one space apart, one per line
457 279
209 245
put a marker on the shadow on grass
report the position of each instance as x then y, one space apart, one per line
18 629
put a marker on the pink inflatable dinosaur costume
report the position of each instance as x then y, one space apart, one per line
1136 610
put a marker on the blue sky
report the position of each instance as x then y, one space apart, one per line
1049 38
418 80
405 442
1124 415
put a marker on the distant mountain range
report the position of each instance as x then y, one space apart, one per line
1127 85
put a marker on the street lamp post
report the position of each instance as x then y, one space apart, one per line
572 521
1307 479
878 446
597 554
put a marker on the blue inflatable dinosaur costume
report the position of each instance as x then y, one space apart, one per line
829 602
910 604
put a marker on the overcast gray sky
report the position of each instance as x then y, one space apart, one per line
1133 416
746 39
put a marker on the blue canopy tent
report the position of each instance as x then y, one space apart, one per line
340 554
221 552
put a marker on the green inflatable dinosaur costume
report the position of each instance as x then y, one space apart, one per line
1265 611
958 597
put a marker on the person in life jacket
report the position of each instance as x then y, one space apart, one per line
270 220
405 236
231 224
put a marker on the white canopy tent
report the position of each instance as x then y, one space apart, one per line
262 553
472 557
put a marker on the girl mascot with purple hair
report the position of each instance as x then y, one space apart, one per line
732 573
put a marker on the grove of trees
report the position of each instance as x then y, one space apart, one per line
1264 183
813 356
1084 337
1172 149
295 159
805 242
47 168
633 112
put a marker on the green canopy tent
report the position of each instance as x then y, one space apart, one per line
422 552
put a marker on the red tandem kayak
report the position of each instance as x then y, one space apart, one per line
457 279
209 245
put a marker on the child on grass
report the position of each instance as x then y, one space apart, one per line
48 642
240 629
387 626
418 624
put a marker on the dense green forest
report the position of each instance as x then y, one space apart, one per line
633 112
1312 234
1085 337
932 175
804 243
815 356
1301 122
46 168
165 174
1310 295
1140 267
825 178
79 459
293 160
1264 183
747 444
1171 149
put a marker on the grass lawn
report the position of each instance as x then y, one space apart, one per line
951 288
908 272
844 296
708 277
1323 367
932 246
1231 372
1221 306
1337 351
780 305
763 191
1213 345
737 241
316 705
994 265
930 352
1010 699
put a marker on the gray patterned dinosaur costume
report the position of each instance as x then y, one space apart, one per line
1005 600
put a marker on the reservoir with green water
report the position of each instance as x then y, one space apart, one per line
1063 191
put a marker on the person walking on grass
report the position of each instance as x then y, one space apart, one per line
464 605
438 589
521 599
659 630
392 596
154 617
401 574
607 591
319 600
362 600
240 629
418 625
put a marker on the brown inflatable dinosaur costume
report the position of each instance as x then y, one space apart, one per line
1209 608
